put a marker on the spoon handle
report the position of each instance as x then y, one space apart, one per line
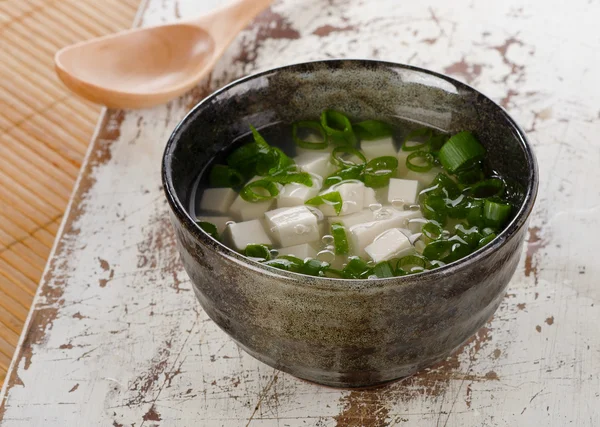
225 23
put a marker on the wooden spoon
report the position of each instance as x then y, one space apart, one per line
149 66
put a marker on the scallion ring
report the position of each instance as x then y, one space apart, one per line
461 152
487 188
379 171
249 194
338 128
337 153
416 140
308 143
260 252
419 161
432 231
340 239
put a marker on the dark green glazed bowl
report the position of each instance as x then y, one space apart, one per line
346 333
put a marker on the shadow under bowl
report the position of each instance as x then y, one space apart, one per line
346 333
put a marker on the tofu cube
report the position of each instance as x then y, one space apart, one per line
378 148
293 226
352 194
241 234
217 199
316 162
295 194
219 221
403 191
390 244
245 211
369 198
242 210
302 251
362 235
366 215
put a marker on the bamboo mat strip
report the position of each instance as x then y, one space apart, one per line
44 134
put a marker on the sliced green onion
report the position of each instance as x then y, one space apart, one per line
308 144
438 250
273 162
337 159
462 151
258 138
436 142
496 213
470 176
379 171
432 231
210 229
418 139
338 128
487 188
223 176
303 178
446 186
372 130
313 267
419 161
434 208
246 158
332 272
475 213
383 270
356 268
249 195
487 239
409 262
471 235
283 263
352 172
261 252
340 240
332 198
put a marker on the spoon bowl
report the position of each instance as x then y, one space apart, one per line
149 66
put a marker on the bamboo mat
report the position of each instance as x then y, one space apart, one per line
45 132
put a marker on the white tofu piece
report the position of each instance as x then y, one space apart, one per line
245 211
378 148
217 199
369 198
241 234
362 235
366 215
293 226
295 194
316 162
302 251
390 244
352 194
402 191
242 210
219 221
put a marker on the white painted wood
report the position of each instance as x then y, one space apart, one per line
117 337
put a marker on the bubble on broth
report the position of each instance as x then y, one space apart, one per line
326 256
374 207
327 239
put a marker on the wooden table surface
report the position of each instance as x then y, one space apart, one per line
44 134
117 338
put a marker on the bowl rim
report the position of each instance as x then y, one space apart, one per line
330 283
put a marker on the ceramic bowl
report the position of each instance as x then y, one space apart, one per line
337 332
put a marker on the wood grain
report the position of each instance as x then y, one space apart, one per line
118 338
44 134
